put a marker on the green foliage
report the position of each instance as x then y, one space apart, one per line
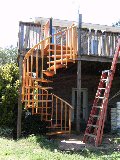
117 24
8 55
40 148
9 84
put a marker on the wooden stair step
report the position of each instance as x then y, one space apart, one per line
58 66
43 114
59 56
30 106
40 87
37 100
59 51
49 73
42 80
59 61
57 132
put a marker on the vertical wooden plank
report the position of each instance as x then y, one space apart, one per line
56 110
66 47
103 44
42 58
49 52
36 62
61 49
78 108
21 36
99 44
61 107
27 75
69 120
55 54
70 43
96 38
110 44
19 115
65 115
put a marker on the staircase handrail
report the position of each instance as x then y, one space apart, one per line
58 33
63 101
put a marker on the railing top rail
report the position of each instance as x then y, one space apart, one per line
63 100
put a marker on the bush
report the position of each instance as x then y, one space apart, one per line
9 84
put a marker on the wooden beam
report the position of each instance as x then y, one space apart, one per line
19 99
78 109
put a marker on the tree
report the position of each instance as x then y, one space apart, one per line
9 84
8 55
117 24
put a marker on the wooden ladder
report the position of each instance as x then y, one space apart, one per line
95 126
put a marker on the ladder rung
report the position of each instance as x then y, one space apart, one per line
104 79
98 106
101 88
90 135
96 116
100 97
91 125
105 71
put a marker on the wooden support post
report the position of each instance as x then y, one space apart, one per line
78 109
19 99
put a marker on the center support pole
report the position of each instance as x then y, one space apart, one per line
78 109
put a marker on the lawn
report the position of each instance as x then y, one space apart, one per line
39 148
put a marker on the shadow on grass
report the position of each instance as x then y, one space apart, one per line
53 144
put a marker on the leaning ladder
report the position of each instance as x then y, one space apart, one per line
95 126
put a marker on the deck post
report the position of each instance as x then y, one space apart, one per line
19 116
78 109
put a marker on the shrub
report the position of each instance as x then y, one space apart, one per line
9 84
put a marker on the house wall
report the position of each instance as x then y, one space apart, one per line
66 79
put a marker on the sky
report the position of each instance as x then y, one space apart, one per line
105 12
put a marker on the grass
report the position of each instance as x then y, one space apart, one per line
39 148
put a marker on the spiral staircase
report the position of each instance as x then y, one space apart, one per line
40 64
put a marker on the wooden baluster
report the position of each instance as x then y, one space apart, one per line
55 54
96 38
61 48
36 62
52 108
42 57
110 44
76 42
70 43
66 47
89 39
49 52
106 44
69 120
42 104
99 43
61 114
33 35
65 115
103 44
56 110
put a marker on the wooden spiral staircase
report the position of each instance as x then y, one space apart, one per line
40 64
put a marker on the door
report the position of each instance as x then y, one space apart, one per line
84 104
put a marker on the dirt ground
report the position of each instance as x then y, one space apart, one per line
74 142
